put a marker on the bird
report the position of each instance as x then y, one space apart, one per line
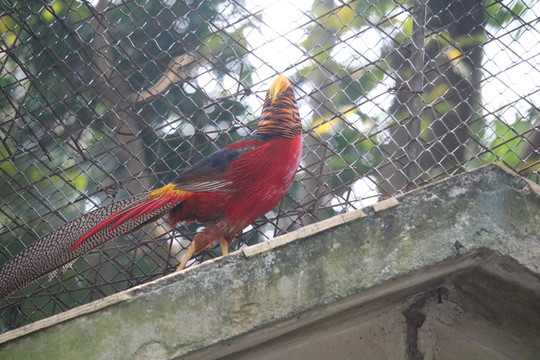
225 191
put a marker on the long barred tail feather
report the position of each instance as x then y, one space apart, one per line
64 244
127 219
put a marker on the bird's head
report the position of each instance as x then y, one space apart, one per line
280 117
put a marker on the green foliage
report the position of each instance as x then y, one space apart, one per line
510 142
60 104
500 13
450 49
355 152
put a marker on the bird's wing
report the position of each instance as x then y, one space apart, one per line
209 174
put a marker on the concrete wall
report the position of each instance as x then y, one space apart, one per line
449 271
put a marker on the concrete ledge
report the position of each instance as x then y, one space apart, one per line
266 298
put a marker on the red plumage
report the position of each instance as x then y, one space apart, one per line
232 187
256 183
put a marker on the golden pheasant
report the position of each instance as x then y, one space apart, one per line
226 191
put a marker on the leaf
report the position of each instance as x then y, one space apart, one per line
52 11
408 26
6 166
501 15
79 179
8 27
437 92
508 144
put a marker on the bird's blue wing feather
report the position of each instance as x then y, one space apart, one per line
208 174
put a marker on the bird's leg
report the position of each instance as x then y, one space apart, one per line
189 253
224 246
203 240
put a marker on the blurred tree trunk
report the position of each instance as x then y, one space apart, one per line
316 147
452 73
121 118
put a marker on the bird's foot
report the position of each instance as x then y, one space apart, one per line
191 250
189 253
224 247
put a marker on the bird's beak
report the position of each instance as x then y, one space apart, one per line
278 87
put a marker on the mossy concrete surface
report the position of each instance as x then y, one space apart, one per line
430 274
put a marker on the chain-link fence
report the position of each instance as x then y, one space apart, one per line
102 99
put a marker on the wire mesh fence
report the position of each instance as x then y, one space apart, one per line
102 99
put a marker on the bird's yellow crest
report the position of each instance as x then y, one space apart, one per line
278 87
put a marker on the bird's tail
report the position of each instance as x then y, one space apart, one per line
79 236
